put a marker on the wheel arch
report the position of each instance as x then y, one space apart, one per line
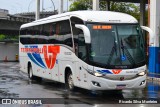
68 69
28 65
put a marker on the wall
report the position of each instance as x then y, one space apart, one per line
8 51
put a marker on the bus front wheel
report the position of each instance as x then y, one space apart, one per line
69 82
30 73
31 76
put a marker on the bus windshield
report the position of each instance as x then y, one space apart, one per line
116 45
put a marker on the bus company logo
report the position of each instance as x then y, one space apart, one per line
117 71
48 52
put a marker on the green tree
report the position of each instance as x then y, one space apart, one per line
80 5
2 37
129 8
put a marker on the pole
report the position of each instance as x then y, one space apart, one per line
67 5
95 4
38 10
142 11
107 5
42 5
60 6
154 51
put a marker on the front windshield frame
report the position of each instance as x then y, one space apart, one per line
120 66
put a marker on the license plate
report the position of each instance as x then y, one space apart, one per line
121 86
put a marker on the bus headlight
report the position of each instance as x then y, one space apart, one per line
142 73
97 74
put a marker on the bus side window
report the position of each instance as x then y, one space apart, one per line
64 30
23 32
41 34
52 36
36 30
82 54
46 29
79 43
31 39
76 34
26 40
52 29
57 28
42 30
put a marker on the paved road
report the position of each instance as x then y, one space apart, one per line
15 84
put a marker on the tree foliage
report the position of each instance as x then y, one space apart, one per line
2 37
8 37
129 8
80 5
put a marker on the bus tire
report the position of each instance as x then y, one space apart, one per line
69 81
30 73
31 76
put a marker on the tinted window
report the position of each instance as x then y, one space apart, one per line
82 54
79 42
61 33
51 33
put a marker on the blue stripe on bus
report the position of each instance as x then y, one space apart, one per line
38 58
30 56
105 71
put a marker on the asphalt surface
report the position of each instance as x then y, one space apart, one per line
15 84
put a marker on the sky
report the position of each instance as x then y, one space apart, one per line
19 6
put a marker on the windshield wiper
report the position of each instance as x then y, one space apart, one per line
125 50
122 47
114 49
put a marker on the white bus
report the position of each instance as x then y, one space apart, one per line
94 50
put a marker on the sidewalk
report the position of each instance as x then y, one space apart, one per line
153 77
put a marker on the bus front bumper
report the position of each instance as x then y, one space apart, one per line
99 83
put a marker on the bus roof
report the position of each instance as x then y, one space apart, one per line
90 16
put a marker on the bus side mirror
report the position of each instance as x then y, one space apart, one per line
86 32
151 37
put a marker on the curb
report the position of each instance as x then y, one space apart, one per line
153 79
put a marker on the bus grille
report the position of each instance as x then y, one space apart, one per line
119 77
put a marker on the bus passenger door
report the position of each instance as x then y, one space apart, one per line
83 80
82 55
